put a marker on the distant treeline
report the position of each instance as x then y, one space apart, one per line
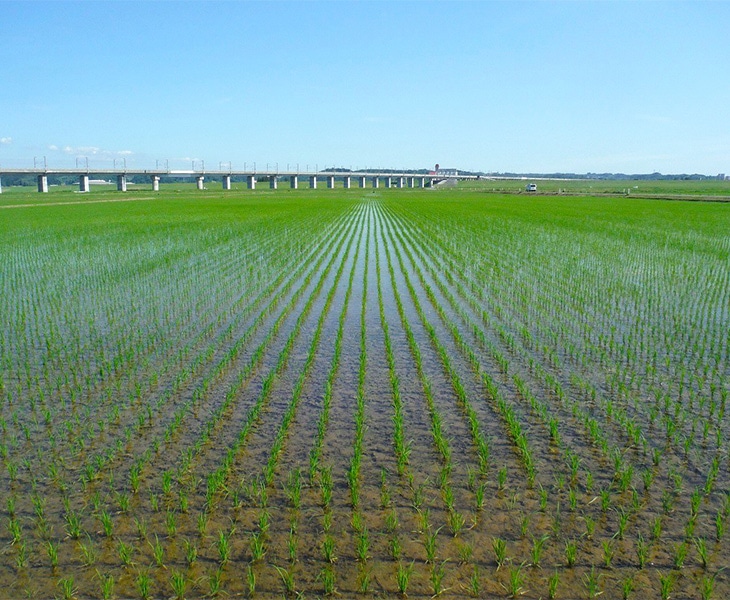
610 176
31 180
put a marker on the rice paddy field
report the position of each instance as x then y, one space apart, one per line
364 393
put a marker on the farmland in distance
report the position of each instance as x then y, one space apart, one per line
365 393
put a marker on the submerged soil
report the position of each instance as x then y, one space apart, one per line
199 439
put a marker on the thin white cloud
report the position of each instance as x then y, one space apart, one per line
6 140
90 151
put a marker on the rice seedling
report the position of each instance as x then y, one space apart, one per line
515 582
430 538
191 552
456 522
125 552
158 552
88 553
327 576
707 586
609 552
364 579
501 478
362 545
438 572
475 584
403 576
395 547
666 583
627 588
328 549
592 582
538 546
250 580
642 551
465 553
179 584
500 551
680 554
74 528
702 551
144 584
68 589
52 551
106 584
553 582
287 577
571 552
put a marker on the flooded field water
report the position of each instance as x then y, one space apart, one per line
357 394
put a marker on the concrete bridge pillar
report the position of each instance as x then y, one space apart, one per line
388 182
251 182
346 182
121 183
199 182
362 181
313 182
83 183
422 182
376 182
294 182
273 182
401 182
155 183
330 182
43 184
411 182
226 182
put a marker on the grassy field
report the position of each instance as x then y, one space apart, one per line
364 393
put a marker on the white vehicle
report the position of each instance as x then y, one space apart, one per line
531 187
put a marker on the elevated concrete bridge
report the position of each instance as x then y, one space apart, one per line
360 178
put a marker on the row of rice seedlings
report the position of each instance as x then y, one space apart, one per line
134 471
316 451
540 408
166 487
456 520
709 477
132 474
401 447
459 310
258 539
506 410
569 455
327 575
631 432
243 375
139 351
216 479
593 424
360 532
425 527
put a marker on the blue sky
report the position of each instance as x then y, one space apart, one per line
544 86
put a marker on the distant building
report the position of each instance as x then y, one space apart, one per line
722 177
444 172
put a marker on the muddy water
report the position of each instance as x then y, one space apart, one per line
167 511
